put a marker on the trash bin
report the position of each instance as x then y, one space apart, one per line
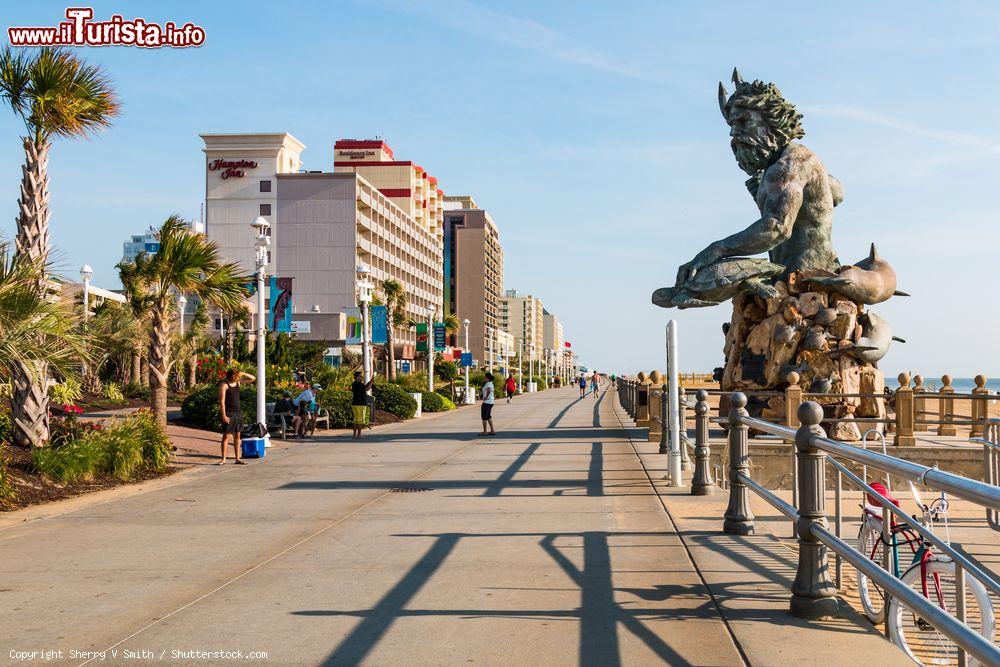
418 397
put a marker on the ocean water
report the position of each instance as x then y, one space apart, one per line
961 385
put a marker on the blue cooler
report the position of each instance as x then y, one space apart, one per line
253 448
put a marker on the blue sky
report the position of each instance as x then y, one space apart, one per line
592 134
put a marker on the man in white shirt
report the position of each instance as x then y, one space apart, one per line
305 416
486 408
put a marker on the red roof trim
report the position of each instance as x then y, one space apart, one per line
398 163
395 192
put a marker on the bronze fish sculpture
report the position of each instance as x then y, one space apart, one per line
870 281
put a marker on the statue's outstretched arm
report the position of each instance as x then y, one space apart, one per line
772 228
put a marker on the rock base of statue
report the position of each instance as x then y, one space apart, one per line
808 338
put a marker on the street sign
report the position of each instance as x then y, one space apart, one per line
406 366
422 336
301 326
439 336
466 359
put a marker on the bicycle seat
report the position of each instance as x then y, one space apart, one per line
870 500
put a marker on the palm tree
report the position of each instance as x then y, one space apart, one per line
36 333
394 295
135 293
186 263
56 94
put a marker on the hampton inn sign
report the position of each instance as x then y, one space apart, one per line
231 168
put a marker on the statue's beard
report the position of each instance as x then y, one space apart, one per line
752 153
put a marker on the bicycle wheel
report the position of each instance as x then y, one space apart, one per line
871 546
921 641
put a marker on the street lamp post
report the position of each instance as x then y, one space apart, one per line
430 349
531 367
263 241
86 273
181 305
365 290
520 363
469 400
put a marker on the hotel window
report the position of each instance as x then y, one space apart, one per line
265 186
265 209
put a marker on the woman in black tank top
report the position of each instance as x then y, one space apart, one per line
230 411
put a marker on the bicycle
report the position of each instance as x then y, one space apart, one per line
929 573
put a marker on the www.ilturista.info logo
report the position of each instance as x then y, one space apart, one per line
80 30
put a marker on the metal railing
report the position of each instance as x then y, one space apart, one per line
814 594
990 441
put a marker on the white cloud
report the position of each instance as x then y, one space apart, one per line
883 120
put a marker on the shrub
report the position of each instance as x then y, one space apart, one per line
8 494
6 427
445 392
135 390
63 430
201 406
412 382
333 377
113 393
445 370
68 392
122 449
435 402
393 399
338 403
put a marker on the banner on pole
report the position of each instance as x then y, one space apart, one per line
280 315
422 336
466 359
380 328
440 334
353 326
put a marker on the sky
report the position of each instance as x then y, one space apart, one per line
592 134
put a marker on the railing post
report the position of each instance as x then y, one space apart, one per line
904 413
701 483
664 415
655 425
739 516
919 404
682 426
793 399
642 413
980 407
814 595
946 408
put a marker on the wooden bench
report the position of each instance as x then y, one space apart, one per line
282 422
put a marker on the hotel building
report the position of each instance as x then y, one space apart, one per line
323 224
522 315
553 341
473 276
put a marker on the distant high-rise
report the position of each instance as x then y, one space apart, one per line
473 277
522 315
149 241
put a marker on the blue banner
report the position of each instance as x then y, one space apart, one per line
439 336
280 316
466 359
380 333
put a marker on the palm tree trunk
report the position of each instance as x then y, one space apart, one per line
137 366
30 404
390 351
159 362
144 373
193 371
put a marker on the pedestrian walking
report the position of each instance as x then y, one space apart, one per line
583 385
595 383
231 412
486 409
359 403
510 387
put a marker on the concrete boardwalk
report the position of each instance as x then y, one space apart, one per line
423 544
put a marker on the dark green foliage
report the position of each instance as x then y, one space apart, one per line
435 402
201 406
8 494
445 370
393 399
338 403
6 426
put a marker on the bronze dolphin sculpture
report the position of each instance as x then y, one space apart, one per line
876 336
870 281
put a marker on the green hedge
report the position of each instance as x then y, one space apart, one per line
435 402
338 403
393 399
123 449
201 406
6 427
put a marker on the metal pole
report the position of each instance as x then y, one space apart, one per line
675 436
686 464
430 350
664 417
739 517
814 595
520 364
261 380
468 398
366 344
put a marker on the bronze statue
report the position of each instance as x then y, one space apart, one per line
790 185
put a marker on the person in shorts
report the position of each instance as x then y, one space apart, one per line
486 408
359 403
510 387
230 411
